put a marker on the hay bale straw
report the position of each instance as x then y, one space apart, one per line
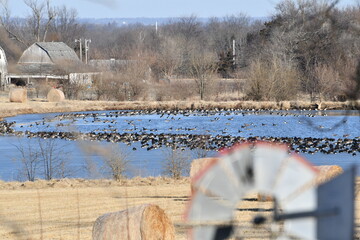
138 223
18 95
327 172
55 95
198 164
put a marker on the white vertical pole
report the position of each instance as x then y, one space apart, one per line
87 44
80 50
234 52
86 52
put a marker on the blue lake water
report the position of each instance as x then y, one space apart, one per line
288 124
276 124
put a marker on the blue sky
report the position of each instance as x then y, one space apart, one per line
163 8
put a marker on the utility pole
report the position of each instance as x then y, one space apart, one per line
234 53
87 46
156 27
79 41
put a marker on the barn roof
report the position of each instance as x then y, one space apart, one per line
58 51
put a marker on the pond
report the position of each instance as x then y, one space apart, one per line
148 137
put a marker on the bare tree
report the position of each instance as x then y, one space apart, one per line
40 25
65 27
203 71
168 59
43 158
115 159
7 24
53 158
35 19
51 14
29 159
176 163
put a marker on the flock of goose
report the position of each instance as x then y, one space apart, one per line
150 138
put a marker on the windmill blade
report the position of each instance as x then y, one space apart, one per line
206 212
236 178
295 191
270 169
294 177
268 160
304 228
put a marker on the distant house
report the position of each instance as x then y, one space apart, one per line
3 68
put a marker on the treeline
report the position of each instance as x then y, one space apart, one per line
307 49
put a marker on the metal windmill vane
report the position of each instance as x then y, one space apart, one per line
302 210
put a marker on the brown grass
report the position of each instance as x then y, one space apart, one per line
60 205
42 106
69 208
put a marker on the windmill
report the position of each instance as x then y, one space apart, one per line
301 209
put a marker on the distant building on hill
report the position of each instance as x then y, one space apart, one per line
3 68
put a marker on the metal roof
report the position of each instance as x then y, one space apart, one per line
58 51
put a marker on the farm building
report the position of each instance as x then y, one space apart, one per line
49 60
3 68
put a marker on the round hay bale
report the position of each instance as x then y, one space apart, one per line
55 95
137 223
327 172
18 95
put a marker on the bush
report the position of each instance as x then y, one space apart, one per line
275 80
176 163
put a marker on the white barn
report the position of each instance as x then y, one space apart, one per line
49 52
3 68
50 60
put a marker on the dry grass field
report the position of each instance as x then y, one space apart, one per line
67 209
8 108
